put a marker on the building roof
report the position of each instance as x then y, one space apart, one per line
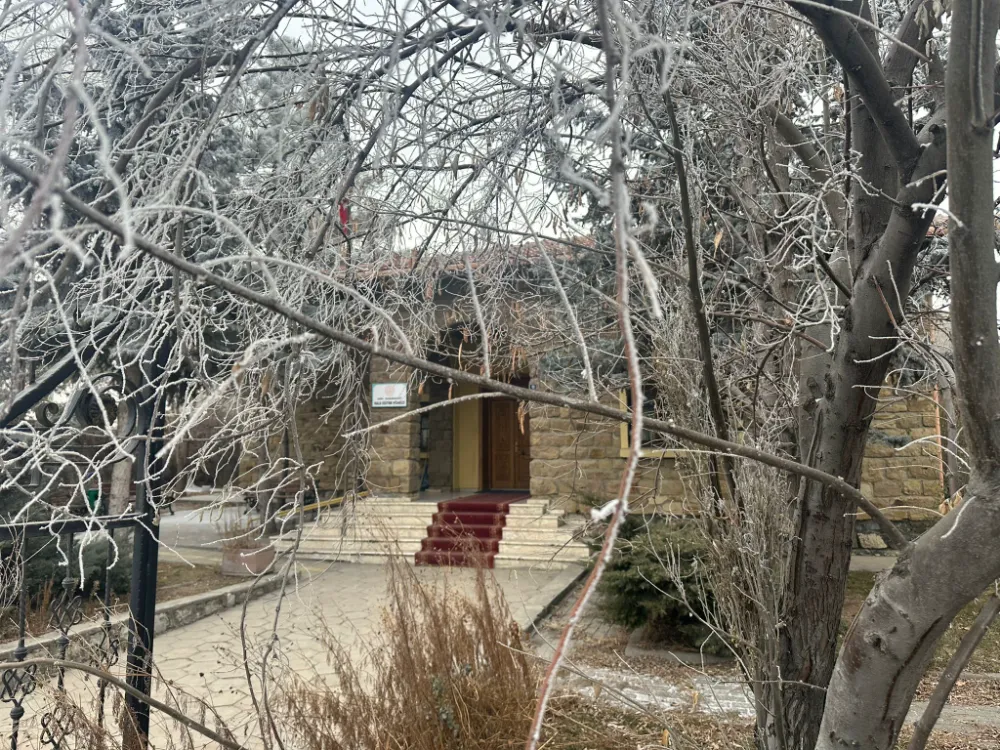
530 253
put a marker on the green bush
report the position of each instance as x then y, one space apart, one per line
638 589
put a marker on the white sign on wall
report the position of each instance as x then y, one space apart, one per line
389 395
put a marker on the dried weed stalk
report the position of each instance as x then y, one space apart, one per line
444 671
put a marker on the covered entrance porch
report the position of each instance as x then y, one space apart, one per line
491 448
448 485
438 437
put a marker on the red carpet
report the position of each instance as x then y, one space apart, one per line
467 531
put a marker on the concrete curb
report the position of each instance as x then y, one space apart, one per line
562 585
176 613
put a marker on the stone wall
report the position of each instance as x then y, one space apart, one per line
331 467
394 467
574 457
218 469
898 471
577 462
320 428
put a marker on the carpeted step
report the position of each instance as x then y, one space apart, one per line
467 531
491 531
460 544
455 559
473 506
448 518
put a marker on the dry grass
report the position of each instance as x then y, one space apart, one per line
241 533
974 739
444 672
577 724
37 611
447 672
177 580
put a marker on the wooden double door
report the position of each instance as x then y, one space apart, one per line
507 446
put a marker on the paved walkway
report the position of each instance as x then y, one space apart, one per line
204 660
872 563
200 528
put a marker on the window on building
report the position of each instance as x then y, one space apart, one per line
653 443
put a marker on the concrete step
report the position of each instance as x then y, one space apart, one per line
335 541
532 522
365 532
372 525
533 509
377 510
546 562
401 512
372 522
335 549
558 535
571 551
371 558
363 545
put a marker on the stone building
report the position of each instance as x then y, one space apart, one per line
550 463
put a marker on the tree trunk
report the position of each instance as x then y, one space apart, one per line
822 553
819 578
892 641
844 403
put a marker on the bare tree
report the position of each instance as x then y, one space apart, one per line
245 184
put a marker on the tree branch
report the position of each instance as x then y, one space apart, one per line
716 408
956 665
818 168
969 82
894 536
901 60
844 41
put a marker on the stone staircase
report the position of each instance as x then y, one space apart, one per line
538 536
374 529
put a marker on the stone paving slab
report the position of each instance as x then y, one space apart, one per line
205 659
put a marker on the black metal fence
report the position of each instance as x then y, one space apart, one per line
65 614
20 680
